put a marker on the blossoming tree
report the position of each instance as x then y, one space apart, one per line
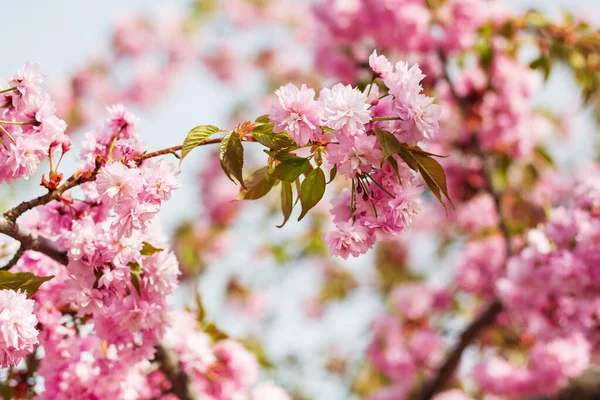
83 292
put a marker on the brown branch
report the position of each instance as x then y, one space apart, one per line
168 365
446 371
488 316
15 259
169 150
32 241
76 179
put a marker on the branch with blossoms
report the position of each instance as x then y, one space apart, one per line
115 270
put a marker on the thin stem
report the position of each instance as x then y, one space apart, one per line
8 90
19 122
352 200
386 119
3 144
379 186
3 129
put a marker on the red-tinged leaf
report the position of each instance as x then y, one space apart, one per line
258 185
434 177
231 154
287 200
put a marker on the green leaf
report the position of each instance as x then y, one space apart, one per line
200 310
311 190
264 135
388 143
332 173
434 177
25 281
263 119
231 154
258 184
136 271
196 136
287 200
543 64
290 170
418 150
408 158
214 332
149 250
283 155
394 165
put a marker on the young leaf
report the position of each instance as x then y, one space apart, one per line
418 150
408 158
258 184
290 170
264 135
25 281
263 119
434 177
231 153
196 136
388 143
311 190
286 202
136 271
394 165
332 173
200 310
149 250
214 332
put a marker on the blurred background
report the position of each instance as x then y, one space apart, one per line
299 335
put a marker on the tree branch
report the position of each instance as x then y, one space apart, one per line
31 241
487 318
168 365
494 308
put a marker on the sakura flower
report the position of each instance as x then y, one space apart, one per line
132 215
348 239
345 109
354 154
23 157
116 182
18 335
380 65
297 113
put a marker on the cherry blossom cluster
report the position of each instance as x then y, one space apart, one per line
406 343
102 314
30 131
384 196
218 369
551 290
18 333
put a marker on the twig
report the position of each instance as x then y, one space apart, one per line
15 259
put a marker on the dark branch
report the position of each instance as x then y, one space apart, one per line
168 365
444 374
32 241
